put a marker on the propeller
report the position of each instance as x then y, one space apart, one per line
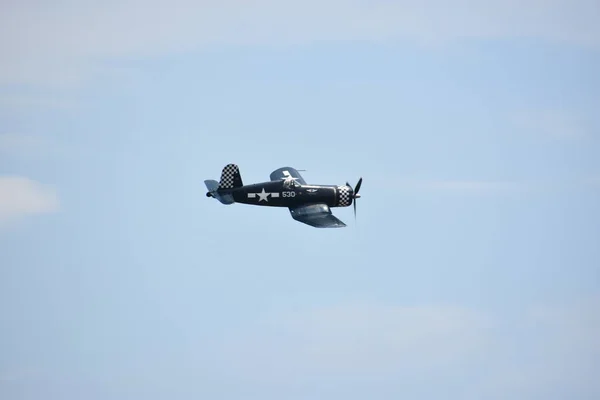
356 195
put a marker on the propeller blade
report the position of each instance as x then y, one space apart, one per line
357 188
354 210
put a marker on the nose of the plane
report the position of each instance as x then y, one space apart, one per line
350 190
345 193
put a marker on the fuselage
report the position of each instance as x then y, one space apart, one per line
286 194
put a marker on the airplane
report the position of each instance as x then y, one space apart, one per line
309 204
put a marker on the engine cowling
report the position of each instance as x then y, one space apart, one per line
344 196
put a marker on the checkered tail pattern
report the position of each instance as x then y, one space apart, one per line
230 177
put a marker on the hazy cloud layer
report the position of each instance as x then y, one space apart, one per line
12 144
62 42
359 339
34 147
486 188
20 197
555 124
469 187
542 350
460 187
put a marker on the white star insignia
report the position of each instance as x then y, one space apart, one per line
263 196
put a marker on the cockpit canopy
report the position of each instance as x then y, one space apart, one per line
290 183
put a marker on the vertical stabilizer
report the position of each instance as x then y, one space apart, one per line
230 177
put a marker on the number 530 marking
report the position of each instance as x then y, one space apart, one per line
288 194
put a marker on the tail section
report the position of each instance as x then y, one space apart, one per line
213 191
230 177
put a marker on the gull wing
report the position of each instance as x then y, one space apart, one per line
317 215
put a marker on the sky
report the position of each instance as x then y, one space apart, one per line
472 270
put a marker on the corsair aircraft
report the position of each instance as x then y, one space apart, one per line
309 204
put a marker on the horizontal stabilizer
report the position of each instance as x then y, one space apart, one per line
213 187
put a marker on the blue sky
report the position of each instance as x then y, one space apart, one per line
472 270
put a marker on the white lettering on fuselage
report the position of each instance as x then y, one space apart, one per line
288 194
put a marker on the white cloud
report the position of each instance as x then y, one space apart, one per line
61 43
20 197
